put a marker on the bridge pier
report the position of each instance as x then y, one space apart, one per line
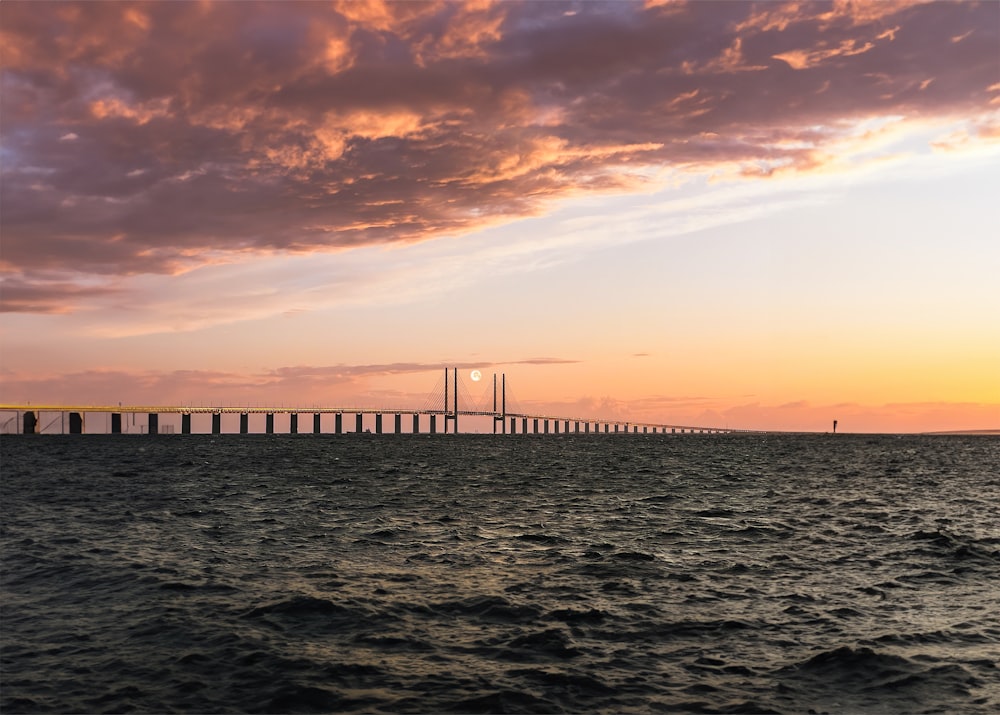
513 423
269 423
293 423
359 425
338 423
416 423
116 422
317 427
244 423
153 423
31 423
433 424
556 422
378 423
75 423
399 423
186 423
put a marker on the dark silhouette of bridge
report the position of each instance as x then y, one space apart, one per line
28 419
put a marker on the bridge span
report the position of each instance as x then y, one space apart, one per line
72 419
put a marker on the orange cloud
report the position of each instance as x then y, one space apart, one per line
804 59
309 127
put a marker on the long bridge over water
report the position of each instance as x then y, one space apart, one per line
72 419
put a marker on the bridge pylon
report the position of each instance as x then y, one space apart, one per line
454 414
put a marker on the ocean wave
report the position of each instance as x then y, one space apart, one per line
732 574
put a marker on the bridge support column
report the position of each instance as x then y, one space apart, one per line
244 423
359 425
186 423
513 424
524 425
317 427
216 423
378 423
269 423
433 424
154 423
536 426
556 426
75 423
293 423
416 424
399 424
616 429
338 423
116 422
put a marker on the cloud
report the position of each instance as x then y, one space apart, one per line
420 386
51 297
541 361
307 385
298 127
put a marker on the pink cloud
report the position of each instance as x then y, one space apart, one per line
353 385
305 385
141 138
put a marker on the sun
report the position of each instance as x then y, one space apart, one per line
476 375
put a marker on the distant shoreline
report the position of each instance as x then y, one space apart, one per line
969 432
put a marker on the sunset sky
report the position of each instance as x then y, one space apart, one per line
732 214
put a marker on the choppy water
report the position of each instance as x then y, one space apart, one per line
571 573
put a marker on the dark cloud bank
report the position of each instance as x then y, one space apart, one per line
139 138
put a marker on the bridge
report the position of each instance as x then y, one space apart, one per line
72 419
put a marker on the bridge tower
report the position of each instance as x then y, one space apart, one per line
500 416
450 415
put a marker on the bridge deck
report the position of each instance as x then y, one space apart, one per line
202 409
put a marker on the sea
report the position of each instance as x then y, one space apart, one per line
733 573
